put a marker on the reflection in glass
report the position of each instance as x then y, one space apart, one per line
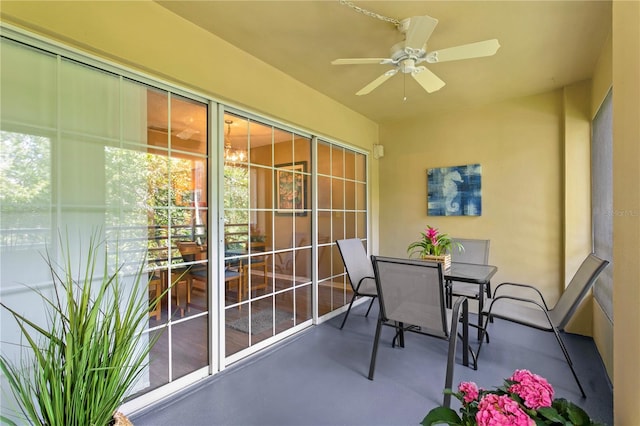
350 164
361 168
25 191
324 158
260 144
303 270
158 360
324 262
304 303
337 161
264 319
236 329
190 343
284 312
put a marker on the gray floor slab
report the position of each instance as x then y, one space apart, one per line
318 377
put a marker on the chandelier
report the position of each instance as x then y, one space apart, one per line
231 154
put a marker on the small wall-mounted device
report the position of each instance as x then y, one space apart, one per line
378 151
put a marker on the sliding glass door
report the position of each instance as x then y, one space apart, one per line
267 232
342 213
87 152
88 148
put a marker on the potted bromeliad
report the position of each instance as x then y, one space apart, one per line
435 246
525 399
79 367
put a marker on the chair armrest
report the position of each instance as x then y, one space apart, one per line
543 307
526 286
456 309
361 280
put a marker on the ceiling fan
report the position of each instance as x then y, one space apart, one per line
406 55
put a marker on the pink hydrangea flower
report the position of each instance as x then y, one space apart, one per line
469 391
494 410
534 390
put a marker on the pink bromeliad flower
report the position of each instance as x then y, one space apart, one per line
469 391
494 410
534 390
432 234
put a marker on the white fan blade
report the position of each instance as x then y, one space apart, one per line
377 82
420 29
428 80
465 51
361 61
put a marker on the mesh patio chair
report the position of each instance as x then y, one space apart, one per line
359 271
412 298
475 251
534 312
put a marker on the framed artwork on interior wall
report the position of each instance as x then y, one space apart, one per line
291 188
454 191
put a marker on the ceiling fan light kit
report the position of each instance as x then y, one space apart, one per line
407 54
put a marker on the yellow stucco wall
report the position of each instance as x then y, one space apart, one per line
577 193
626 205
519 144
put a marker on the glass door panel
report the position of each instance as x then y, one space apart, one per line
267 222
341 193
177 232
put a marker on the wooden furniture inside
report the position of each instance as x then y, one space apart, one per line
196 274
251 265
155 290
249 271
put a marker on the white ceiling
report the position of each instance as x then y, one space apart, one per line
544 45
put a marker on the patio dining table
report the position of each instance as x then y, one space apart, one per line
470 273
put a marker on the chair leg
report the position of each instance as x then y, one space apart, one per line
483 334
453 340
568 358
374 353
370 305
399 337
348 310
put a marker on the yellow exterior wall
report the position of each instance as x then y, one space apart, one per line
148 38
577 193
519 144
602 77
626 209
602 326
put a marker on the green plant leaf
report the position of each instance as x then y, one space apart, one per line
551 414
81 367
441 415
7 421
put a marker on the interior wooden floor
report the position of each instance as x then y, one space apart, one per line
189 339
319 377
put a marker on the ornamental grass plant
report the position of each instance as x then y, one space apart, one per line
78 369
525 399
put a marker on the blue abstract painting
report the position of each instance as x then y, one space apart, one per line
454 191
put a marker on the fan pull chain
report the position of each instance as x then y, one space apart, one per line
370 14
404 85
